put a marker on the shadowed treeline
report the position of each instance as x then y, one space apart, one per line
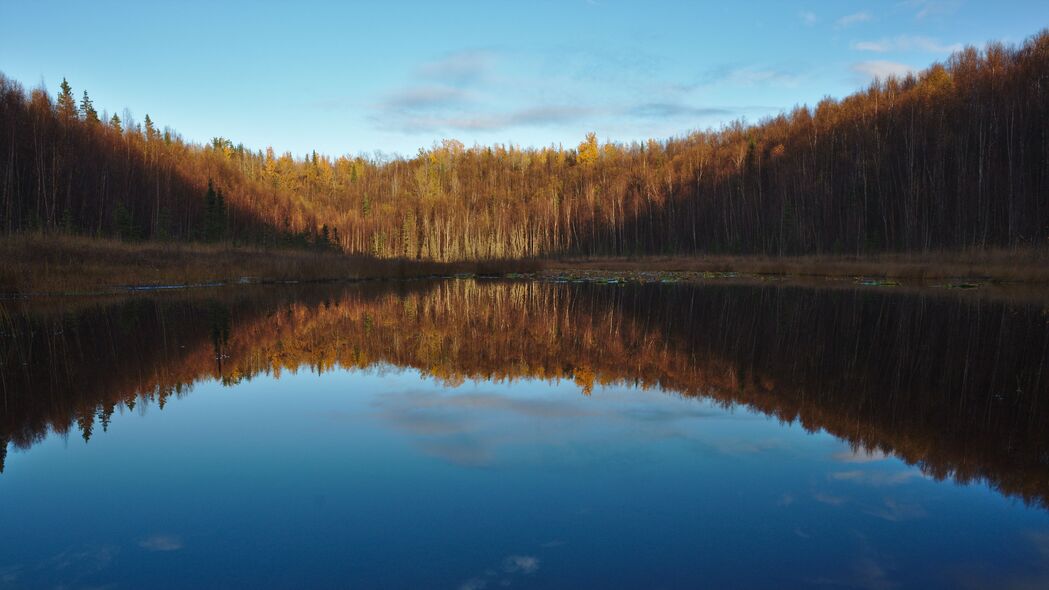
959 387
953 158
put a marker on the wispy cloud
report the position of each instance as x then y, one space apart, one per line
455 428
525 564
440 95
876 478
752 76
538 116
881 69
161 543
853 19
461 67
830 499
808 18
860 456
894 511
73 567
463 92
906 43
926 8
427 97
513 566
485 92
666 110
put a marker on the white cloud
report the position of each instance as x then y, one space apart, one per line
525 564
875 46
860 456
882 69
514 566
876 478
906 43
853 19
808 18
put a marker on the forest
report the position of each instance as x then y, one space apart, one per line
953 158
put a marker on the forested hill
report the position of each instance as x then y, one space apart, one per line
954 157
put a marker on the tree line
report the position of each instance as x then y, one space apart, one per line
954 157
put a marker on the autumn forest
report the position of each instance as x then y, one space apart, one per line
953 158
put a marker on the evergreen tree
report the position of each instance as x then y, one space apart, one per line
325 238
86 422
210 200
67 221
66 103
220 216
88 110
122 222
214 214
164 224
115 123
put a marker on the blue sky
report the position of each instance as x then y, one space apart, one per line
349 78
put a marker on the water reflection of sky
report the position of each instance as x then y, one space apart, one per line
385 478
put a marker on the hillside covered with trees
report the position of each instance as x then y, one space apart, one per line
955 157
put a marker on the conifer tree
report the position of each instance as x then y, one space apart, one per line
214 214
123 223
66 103
115 123
88 110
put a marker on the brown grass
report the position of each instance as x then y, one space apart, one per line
1020 266
33 263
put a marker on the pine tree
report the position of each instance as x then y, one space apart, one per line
220 216
66 104
214 214
67 220
88 110
123 223
115 123
210 200
151 132
325 237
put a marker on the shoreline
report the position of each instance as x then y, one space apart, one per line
38 266
992 265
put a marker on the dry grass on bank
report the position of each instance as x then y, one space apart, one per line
1022 266
69 264
33 263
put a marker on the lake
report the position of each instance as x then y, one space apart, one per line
471 434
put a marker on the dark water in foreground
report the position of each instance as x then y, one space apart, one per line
466 434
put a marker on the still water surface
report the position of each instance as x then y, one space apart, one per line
490 434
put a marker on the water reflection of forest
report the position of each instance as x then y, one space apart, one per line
959 387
